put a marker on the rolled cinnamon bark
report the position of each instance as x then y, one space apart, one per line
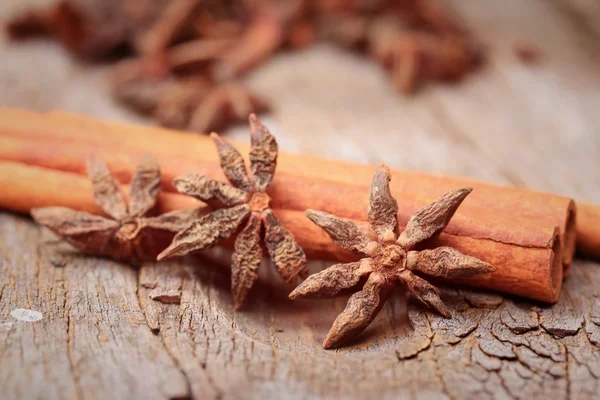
502 214
533 272
588 229
290 192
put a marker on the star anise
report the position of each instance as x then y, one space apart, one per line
245 200
421 57
224 104
389 258
129 235
192 103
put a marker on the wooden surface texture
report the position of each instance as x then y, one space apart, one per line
75 327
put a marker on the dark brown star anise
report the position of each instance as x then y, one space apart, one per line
245 200
389 258
130 235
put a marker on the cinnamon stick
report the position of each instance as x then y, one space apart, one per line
293 192
588 229
502 214
534 272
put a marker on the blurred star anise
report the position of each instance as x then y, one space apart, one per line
129 235
245 200
389 258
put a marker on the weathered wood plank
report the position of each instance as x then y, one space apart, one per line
92 340
95 339
35 356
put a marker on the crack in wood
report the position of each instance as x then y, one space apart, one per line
72 364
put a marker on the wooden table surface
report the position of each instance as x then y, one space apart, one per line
84 327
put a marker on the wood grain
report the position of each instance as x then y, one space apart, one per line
92 337
96 340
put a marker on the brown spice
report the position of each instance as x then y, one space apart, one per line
191 55
528 54
191 103
223 105
178 101
144 95
93 28
262 38
170 23
348 30
420 57
301 34
389 258
421 40
434 15
130 234
245 200
33 23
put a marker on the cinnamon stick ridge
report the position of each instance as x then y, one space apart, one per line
533 272
503 214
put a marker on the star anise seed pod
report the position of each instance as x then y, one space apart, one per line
129 235
224 104
246 200
389 258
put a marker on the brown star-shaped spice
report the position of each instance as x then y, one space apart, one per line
245 200
150 85
224 104
389 258
130 235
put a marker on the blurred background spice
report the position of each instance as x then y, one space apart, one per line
183 58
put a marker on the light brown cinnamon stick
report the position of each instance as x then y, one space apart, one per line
502 214
588 229
532 272
289 191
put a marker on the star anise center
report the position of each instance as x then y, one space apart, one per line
390 257
129 229
259 201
